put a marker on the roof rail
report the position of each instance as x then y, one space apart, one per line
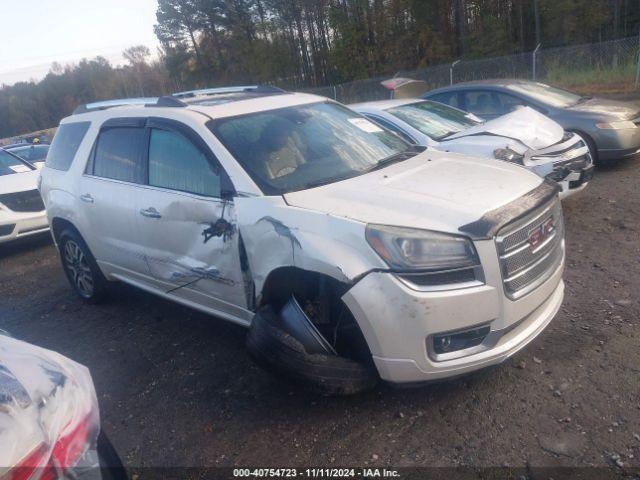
165 101
225 90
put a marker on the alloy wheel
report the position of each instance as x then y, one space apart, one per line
78 267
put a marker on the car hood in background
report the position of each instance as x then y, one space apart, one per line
454 189
19 182
526 125
614 108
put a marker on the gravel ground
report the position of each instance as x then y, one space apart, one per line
177 388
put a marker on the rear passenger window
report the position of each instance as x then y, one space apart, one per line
119 154
448 98
177 164
65 145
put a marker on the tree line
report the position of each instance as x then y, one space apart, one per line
308 43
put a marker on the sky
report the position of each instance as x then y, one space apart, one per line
36 33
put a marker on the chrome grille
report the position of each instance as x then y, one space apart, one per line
525 263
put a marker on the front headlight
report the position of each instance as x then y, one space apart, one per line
508 155
623 125
411 249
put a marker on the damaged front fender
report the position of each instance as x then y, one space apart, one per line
277 235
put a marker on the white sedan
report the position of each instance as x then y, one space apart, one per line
22 212
523 136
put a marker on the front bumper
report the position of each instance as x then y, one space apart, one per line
16 225
575 180
398 322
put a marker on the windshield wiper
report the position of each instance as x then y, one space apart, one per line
584 99
396 157
447 135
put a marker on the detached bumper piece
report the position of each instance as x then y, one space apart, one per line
288 343
585 176
581 166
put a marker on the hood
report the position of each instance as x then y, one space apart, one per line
19 182
526 125
613 108
434 190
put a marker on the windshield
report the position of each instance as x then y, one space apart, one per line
434 119
31 153
304 146
546 94
10 164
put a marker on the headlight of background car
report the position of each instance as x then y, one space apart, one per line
508 155
623 125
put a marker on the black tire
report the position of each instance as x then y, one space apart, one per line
111 466
280 353
81 268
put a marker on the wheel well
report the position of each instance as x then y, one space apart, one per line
590 143
59 225
320 296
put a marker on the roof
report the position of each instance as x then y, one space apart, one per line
212 107
384 104
214 102
496 82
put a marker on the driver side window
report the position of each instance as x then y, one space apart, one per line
176 163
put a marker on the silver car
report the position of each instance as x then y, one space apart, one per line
609 127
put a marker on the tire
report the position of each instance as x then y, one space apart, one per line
280 353
111 466
81 268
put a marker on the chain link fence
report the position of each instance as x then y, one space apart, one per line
614 63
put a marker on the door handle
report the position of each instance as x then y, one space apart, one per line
150 213
86 198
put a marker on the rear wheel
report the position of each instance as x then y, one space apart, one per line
80 266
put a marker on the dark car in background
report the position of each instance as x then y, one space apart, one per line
610 127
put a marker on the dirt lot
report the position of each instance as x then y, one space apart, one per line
176 388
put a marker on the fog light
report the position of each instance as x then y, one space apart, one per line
442 344
454 341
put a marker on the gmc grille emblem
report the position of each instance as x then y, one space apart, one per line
539 234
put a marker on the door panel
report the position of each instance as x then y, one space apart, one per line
107 196
108 210
186 254
187 231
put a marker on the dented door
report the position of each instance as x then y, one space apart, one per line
191 247
189 232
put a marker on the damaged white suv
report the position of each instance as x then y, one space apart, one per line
351 255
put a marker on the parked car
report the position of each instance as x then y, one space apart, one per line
21 208
524 137
35 154
609 127
49 419
350 254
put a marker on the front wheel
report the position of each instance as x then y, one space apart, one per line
81 269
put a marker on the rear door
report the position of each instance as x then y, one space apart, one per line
187 230
108 191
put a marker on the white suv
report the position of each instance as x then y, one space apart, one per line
350 254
